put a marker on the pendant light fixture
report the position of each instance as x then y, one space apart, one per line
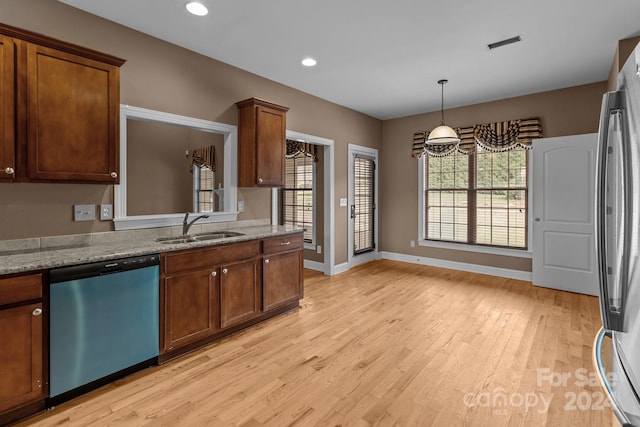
443 134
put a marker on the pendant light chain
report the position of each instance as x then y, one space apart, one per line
442 83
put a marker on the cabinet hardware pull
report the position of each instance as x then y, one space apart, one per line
37 312
9 170
214 274
114 175
266 261
260 181
285 243
224 271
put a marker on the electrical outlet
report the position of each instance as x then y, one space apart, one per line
319 249
240 205
412 243
84 212
106 212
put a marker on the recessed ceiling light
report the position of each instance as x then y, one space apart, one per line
197 8
309 62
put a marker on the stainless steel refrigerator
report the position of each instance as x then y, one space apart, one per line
617 346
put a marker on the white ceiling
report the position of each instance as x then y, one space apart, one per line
384 58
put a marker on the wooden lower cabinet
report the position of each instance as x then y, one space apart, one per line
21 348
239 292
282 279
282 270
214 291
191 307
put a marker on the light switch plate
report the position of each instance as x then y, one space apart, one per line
240 205
343 202
84 212
106 212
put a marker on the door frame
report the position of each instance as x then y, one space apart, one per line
372 153
328 242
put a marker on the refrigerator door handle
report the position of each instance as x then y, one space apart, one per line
614 383
611 201
603 378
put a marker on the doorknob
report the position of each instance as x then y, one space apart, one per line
353 211
537 220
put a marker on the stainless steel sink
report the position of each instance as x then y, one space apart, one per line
175 239
198 237
217 235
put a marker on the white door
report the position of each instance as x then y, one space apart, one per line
363 202
563 213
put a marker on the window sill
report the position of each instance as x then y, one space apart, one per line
152 221
310 246
477 248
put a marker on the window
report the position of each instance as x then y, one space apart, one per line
203 179
363 209
297 196
478 199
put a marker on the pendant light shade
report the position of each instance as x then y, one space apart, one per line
443 134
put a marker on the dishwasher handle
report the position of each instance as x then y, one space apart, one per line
101 268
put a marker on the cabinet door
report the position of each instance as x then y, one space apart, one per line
7 109
239 292
191 307
270 147
72 117
282 281
20 355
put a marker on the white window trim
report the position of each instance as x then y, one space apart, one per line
371 153
329 249
124 222
518 253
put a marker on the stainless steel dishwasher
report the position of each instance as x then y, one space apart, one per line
104 323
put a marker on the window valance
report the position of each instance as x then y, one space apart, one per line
295 148
497 136
203 157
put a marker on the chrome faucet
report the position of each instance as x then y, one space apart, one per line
186 224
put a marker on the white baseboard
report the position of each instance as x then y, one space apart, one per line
341 268
463 266
314 265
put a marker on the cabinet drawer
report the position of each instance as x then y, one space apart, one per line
20 288
211 256
282 243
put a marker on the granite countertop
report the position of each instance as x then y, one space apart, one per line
126 245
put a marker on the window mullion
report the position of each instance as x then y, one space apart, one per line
472 200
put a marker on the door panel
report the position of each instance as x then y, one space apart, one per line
563 210
363 200
20 356
7 109
239 292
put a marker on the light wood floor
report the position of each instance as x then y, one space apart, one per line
387 343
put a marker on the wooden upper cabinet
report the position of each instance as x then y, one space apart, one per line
72 117
7 109
60 110
262 127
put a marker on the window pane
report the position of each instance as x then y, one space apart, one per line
517 168
296 198
498 195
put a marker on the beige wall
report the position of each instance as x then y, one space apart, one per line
562 112
161 76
